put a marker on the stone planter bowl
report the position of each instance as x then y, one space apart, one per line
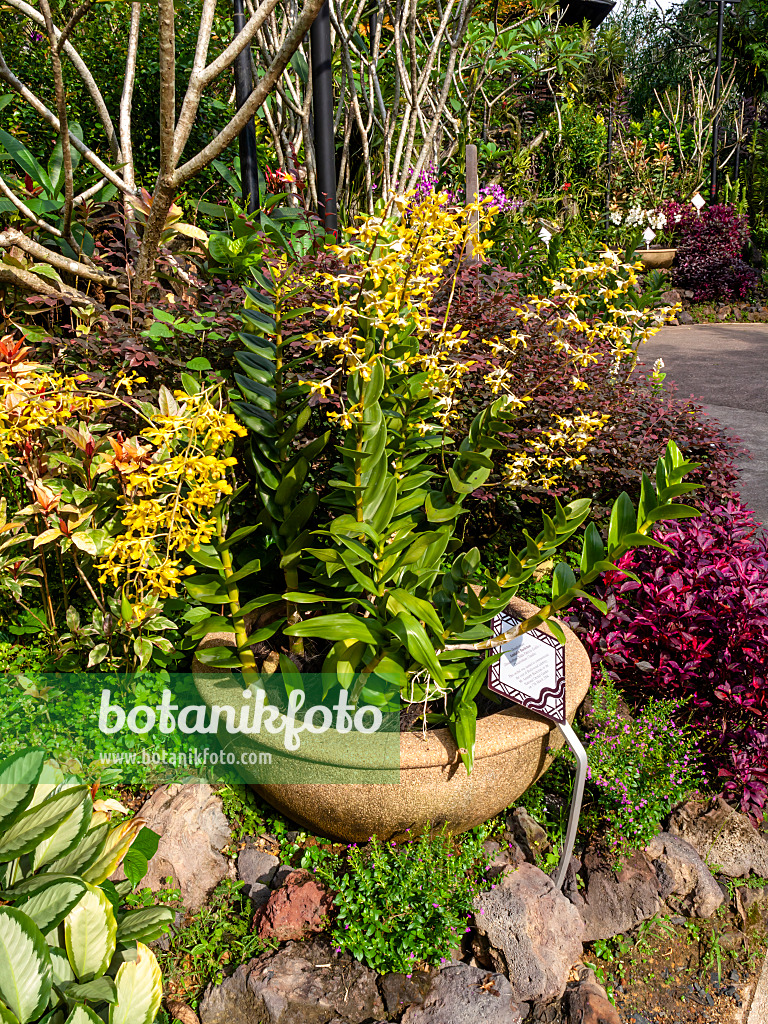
513 750
656 259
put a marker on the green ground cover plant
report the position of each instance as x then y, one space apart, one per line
401 906
640 766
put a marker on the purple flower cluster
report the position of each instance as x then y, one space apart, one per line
639 768
505 203
426 185
695 628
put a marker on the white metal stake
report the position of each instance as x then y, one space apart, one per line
575 744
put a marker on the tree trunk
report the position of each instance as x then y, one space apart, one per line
162 201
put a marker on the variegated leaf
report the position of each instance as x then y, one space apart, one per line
117 845
25 965
18 778
90 933
84 854
144 925
37 823
66 837
62 968
139 990
51 903
83 1015
6 1017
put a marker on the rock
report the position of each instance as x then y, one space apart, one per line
588 1002
545 1013
279 877
571 883
299 909
528 833
688 293
502 858
671 297
256 869
461 994
256 866
193 831
724 312
684 317
682 872
303 983
615 903
400 991
528 930
752 905
258 894
727 841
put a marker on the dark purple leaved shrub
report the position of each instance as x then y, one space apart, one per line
710 251
696 628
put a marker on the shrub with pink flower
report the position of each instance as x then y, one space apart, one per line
693 626
639 768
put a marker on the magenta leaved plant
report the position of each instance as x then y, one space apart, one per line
694 626
710 251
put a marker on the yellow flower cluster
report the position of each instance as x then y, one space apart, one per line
581 317
396 265
554 450
169 497
623 327
42 401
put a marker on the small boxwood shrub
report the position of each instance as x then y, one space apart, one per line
399 907
695 628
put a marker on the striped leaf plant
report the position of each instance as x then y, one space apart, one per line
68 953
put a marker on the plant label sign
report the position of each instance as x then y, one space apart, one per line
531 670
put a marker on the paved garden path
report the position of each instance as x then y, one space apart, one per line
726 367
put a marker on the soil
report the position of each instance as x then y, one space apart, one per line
675 980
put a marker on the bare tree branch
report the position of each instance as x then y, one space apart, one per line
6 75
25 210
12 236
61 103
81 11
166 49
84 72
126 98
217 146
29 282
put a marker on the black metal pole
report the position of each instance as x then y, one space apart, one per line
322 104
249 165
716 124
609 167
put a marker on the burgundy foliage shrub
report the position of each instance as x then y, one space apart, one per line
710 251
640 424
695 628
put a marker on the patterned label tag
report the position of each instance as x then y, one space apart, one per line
531 670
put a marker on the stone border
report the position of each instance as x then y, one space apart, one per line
758 1005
